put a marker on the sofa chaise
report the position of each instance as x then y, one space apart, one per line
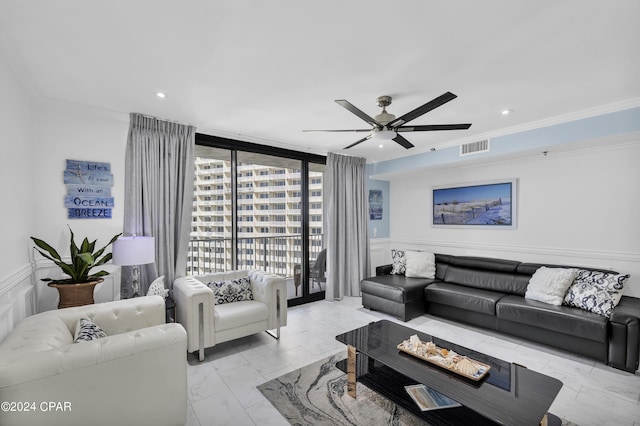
490 293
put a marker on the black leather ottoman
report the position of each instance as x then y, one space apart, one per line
395 295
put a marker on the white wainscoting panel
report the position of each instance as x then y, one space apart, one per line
17 299
382 249
6 321
109 290
378 249
47 297
23 293
623 262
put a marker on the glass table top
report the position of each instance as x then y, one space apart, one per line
509 394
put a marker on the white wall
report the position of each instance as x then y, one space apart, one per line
37 137
579 207
64 132
17 183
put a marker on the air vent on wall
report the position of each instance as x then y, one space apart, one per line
474 147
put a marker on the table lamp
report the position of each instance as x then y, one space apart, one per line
134 251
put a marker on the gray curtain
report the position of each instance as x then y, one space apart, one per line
159 195
346 225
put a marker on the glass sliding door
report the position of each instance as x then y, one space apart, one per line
258 207
317 251
211 219
269 216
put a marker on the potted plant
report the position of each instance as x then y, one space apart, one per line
76 290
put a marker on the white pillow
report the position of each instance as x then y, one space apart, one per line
549 285
420 264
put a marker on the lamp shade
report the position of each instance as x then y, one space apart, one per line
134 250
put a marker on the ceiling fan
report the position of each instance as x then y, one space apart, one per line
387 126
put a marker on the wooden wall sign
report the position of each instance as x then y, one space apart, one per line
88 190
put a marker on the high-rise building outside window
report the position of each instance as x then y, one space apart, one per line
269 192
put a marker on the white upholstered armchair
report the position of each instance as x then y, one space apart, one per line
137 375
208 323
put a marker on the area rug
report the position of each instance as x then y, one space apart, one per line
316 395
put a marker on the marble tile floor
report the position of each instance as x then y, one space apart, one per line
222 388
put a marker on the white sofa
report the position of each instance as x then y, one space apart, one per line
137 375
208 324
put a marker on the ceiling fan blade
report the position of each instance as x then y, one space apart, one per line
346 130
433 104
350 107
356 143
402 141
433 127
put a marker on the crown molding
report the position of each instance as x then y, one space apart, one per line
82 108
614 143
538 124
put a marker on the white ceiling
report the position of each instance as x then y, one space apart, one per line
263 71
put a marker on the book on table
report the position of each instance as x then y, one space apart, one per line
429 399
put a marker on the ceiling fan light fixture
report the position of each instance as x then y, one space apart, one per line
384 134
386 126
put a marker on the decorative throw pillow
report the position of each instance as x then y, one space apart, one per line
157 288
420 264
549 285
399 262
87 330
597 292
231 291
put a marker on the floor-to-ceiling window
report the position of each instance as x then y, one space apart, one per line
259 207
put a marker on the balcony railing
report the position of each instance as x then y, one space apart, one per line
275 254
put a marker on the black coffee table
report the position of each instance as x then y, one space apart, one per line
509 394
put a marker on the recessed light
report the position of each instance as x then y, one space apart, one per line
161 95
380 146
506 111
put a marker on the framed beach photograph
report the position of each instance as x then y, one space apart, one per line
375 204
490 204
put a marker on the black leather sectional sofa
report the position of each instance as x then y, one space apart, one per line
490 293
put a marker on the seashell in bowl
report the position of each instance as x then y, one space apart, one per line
430 348
466 366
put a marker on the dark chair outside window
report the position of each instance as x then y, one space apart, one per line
318 269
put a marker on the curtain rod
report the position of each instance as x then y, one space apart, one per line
161 119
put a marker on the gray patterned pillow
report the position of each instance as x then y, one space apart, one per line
594 291
231 291
399 262
87 330
157 288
